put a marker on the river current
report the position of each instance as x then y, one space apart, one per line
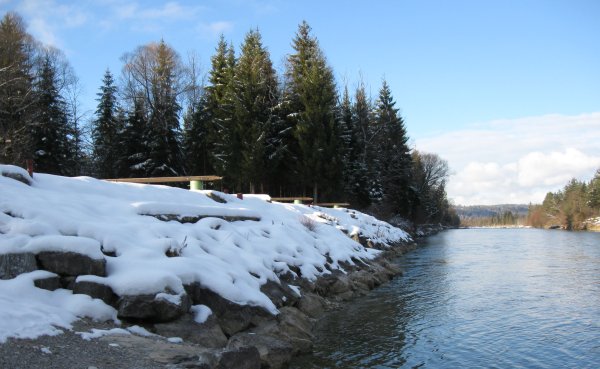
475 298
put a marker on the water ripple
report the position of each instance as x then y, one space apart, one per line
476 299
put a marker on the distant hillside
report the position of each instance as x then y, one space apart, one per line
492 215
483 211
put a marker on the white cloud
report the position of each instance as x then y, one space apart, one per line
214 29
47 18
520 160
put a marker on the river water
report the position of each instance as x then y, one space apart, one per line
475 298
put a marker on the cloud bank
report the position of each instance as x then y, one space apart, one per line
518 160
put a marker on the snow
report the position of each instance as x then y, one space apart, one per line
97 333
201 313
233 259
175 340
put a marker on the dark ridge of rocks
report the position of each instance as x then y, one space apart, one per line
17 177
96 290
50 283
70 263
151 308
196 218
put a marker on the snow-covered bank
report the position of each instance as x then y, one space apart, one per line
158 241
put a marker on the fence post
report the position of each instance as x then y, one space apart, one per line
30 167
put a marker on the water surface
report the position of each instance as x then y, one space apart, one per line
476 298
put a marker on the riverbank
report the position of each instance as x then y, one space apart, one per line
270 341
192 278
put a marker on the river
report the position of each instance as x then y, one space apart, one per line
475 298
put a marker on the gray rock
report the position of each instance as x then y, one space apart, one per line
231 317
274 352
333 284
49 283
71 263
17 177
311 305
241 358
279 293
96 290
207 334
11 265
150 308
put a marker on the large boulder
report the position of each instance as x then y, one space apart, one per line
96 290
336 283
50 282
274 352
240 358
207 334
231 317
11 265
312 305
153 308
279 293
71 263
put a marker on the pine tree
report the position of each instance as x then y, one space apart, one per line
311 97
197 143
361 173
105 129
394 162
133 142
50 143
223 143
256 96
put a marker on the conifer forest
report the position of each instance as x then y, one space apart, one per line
284 134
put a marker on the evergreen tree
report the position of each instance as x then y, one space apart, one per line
50 144
256 96
133 142
361 174
223 143
105 129
394 162
197 143
311 96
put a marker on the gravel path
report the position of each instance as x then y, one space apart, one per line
70 351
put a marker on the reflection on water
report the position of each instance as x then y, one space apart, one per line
476 299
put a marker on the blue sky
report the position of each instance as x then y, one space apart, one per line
499 73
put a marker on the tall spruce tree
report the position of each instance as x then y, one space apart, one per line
133 142
394 162
223 142
255 98
197 139
50 144
106 127
360 166
311 95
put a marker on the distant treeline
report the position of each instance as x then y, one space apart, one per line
290 134
569 208
492 215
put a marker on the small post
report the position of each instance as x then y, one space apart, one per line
30 167
196 185
240 195
297 202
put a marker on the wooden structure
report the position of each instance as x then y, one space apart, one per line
334 204
295 200
196 182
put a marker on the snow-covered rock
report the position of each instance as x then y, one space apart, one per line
234 249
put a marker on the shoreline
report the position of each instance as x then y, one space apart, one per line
219 342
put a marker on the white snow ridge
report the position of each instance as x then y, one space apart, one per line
230 248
